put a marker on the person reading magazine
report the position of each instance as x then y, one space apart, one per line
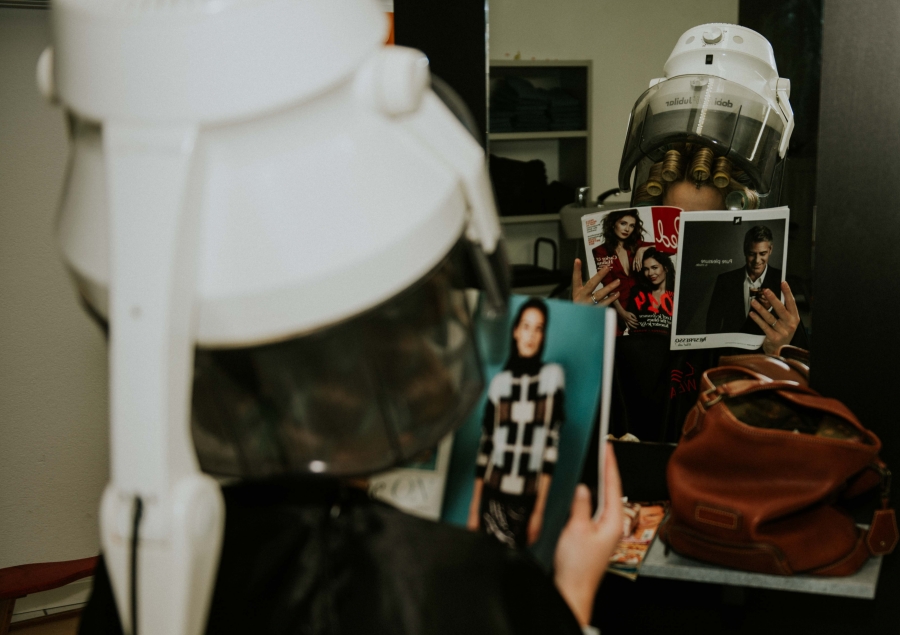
717 170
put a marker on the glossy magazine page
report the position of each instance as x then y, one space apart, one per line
726 259
517 459
640 524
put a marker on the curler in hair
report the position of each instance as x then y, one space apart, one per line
642 196
722 173
701 166
737 200
672 166
654 180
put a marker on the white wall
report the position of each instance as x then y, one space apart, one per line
53 371
628 41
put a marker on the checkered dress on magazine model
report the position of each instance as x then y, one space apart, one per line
519 442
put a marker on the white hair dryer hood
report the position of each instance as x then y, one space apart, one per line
250 181
720 89
296 231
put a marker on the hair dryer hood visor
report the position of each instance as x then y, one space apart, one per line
720 89
731 120
355 398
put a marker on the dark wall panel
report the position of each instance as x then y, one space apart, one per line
855 345
452 35
794 27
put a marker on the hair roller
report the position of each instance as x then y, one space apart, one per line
722 173
641 195
672 166
701 166
741 196
654 180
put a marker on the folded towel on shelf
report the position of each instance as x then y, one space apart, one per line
519 186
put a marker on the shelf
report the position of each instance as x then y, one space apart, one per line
529 218
861 584
546 134
541 63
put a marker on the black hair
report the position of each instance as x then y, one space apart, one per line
527 365
666 261
758 234
611 241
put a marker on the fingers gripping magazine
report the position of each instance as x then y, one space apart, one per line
727 263
692 277
517 459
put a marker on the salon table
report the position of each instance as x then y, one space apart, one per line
862 584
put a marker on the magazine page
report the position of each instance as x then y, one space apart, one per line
640 524
517 459
619 239
726 259
416 488
632 228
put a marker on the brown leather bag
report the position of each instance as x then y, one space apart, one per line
763 465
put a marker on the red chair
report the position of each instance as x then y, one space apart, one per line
25 579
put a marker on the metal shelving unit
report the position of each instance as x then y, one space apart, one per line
566 153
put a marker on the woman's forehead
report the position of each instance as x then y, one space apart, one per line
532 314
690 198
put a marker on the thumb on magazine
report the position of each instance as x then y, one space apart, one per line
586 545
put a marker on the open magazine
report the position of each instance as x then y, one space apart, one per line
689 276
517 459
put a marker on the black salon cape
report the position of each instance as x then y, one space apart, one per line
313 557
654 388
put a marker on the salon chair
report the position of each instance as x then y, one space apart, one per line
19 581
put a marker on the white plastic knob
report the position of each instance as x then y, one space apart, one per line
713 36
395 80
45 75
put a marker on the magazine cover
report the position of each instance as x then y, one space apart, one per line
631 228
619 239
726 259
517 459
416 488
640 524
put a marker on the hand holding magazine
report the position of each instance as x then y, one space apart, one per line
517 460
695 277
559 357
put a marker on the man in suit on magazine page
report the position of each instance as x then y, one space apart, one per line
729 308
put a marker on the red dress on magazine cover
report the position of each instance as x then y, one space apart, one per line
602 258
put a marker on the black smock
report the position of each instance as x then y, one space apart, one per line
311 556
654 388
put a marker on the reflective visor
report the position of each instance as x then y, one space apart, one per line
354 398
731 120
